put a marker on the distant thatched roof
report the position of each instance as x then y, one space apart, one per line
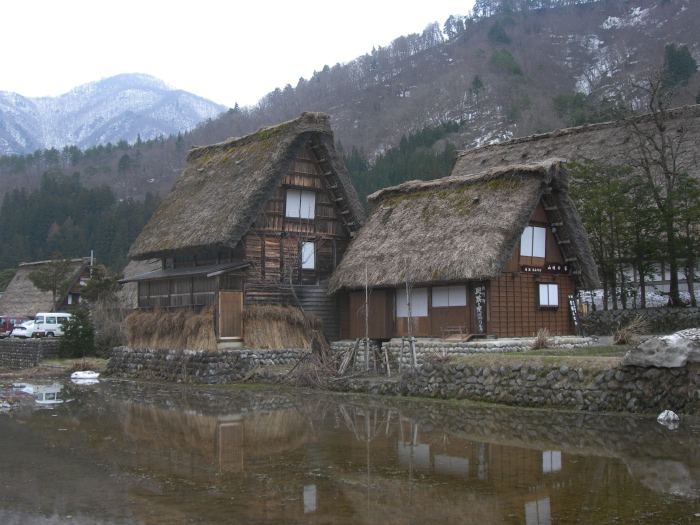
225 186
22 298
608 141
457 228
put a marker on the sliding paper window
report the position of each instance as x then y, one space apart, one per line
532 242
308 256
301 204
419 302
549 295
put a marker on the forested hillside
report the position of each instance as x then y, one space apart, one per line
509 68
62 215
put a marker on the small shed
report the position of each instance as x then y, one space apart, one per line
258 220
21 297
499 253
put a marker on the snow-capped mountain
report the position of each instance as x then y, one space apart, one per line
109 110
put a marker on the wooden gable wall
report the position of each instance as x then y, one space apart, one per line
274 240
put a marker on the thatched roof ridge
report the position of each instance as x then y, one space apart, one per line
606 141
225 186
457 228
21 297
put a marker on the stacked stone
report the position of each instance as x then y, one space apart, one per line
195 366
17 354
661 320
594 389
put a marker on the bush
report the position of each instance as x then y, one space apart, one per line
78 336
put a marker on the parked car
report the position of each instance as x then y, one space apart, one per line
26 330
8 322
43 325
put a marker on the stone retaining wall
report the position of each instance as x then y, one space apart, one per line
17 354
195 366
661 320
582 387
427 348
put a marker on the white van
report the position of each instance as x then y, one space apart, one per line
44 325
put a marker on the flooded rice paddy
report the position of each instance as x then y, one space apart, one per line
120 452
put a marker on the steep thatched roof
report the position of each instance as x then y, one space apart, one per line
22 298
608 141
458 228
226 185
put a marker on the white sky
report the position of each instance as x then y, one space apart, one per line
227 51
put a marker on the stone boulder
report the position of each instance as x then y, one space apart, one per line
669 351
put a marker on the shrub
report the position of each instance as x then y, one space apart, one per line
78 336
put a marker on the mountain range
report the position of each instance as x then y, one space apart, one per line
123 107
511 68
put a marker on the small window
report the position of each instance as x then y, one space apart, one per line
301 204
50 320
308 256
549 295
445 296
532 242
419 302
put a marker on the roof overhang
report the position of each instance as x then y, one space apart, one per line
211 270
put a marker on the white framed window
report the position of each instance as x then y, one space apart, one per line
450 296
308 256
549 294
301 204
419 302
532 242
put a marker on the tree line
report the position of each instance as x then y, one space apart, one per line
423 155
63 216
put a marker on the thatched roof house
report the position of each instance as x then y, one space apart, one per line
610 142
21 297
460 228
466 229
258 220
225 186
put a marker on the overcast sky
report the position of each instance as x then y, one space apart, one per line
226 51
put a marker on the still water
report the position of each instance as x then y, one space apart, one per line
121 452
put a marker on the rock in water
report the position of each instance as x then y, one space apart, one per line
670 351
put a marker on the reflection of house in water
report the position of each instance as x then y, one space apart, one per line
187 443
43 394
316 459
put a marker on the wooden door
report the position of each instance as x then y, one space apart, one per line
230 315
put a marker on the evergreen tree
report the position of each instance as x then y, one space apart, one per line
679 65
55 277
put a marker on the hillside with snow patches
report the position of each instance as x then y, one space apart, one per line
523 59
113 109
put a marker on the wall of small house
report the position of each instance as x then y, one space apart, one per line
382 321
513 306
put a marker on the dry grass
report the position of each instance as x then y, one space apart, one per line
280 327
629 334
541 340
180 330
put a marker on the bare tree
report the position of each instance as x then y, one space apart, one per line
661 152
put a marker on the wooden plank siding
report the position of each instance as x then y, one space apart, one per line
513 306
512 301
272 245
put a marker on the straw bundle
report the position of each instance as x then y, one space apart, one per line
180 330
279 327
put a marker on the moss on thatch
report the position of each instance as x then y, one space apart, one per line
455 229
607 141
225 186
179 330
279 327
